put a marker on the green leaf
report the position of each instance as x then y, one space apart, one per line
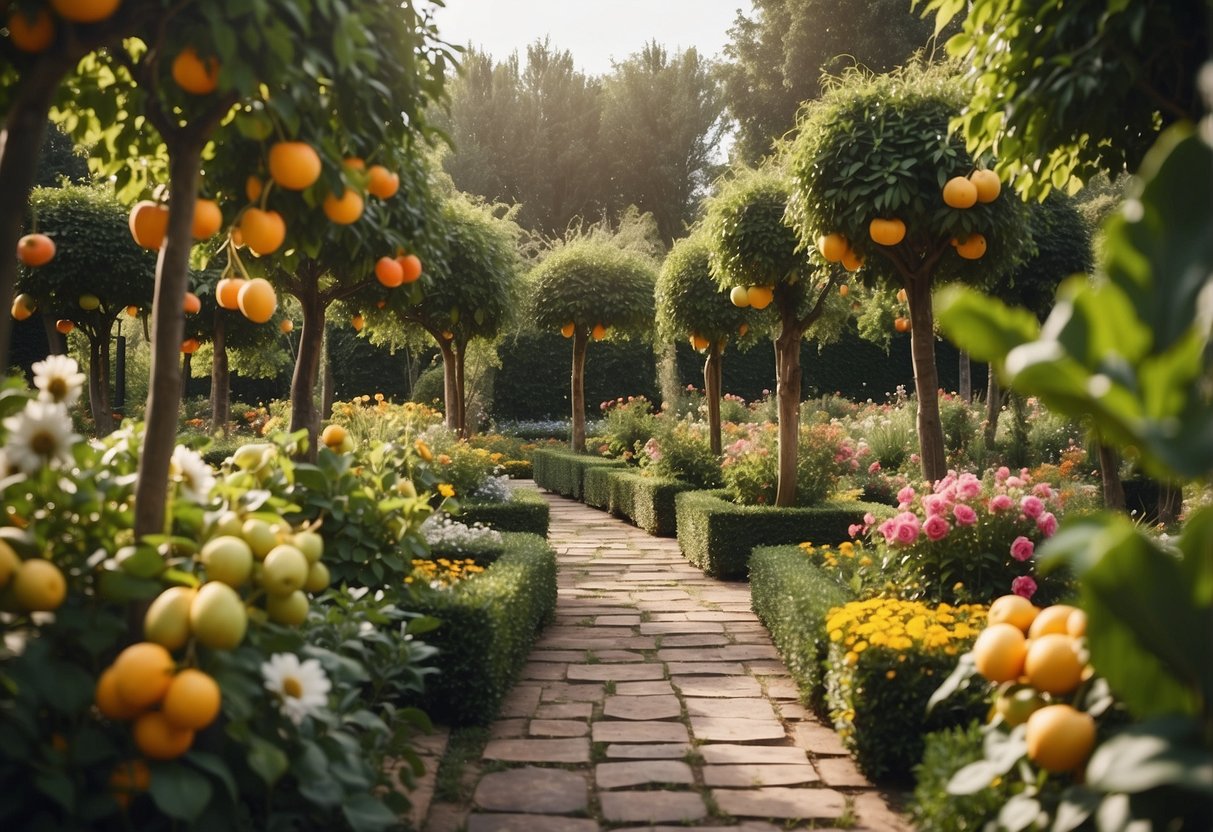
987 328
1018 813
118 586
1158 752
1077 804
141 561
365 813
267 760
216 767
179 791
973 778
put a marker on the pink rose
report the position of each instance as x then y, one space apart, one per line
1047 524
1001 502
906 495
889 529
1002 473
1022 548
1032 506
935 504
869 519
967 487
1043 490
855 529
1024 585
965 515
936 527
874 467
905 528
1014 482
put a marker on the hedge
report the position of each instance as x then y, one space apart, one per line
526 512
717 535
562 471
596 485
792 597
489 624
647 502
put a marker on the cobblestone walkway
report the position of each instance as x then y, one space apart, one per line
656 701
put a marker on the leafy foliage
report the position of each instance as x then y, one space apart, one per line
591 282
689 299
751 244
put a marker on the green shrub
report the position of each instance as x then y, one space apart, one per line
647 502
682 451
596 486
518 469
717 535
489 624
750 466
944 753
562 471
792 597
527 511
627 425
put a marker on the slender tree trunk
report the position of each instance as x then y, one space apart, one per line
926 379
461 389
450 384
307 362
1109 474
168 327
711 387
966 378
104 364
187 364
787 391
577 432
993 407
56 342
98 387
221 379
328 385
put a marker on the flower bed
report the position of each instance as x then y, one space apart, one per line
526 511
717 535
644 501
562 472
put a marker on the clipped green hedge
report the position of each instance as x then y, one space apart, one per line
489 624
596 485
648 502
526 512
562 472
947 752
792 597
717 535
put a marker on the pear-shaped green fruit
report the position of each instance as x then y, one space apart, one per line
228 559
290 610
167 621
284 570
227 523
218 617
317 578
311 544
259 535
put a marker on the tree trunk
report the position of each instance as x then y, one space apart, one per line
993 407
221 378
711 387
926 379
966 378
577 431
98 388
307 362
461 389
328 385
787 391
450 384
168 327
187 364
1109 474
56 342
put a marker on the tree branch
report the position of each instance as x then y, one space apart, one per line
818 307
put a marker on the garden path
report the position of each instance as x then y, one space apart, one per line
656 697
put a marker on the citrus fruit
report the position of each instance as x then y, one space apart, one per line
959 192
167 621
263 231
598 332
999 652
31 32
382 182
284 570
35 249
1052 619
192 700
109 701
294 165
10 562
344 209
1017 703
389 272
851 261
89 302
1052 664
227 558
844 290
195 75
887 232
333 435
698 342
972 247
85 11
142 673
38 586
568 329
20 311
832 247
289 610
739 296
191 305
317 578
227 292
1060 738
218 617
158 739
148 222
901 324
411 264
760 297
128 779
286 326
259 536
132 311
190 346
358 322
1012 609
1076 624
257 300
253 187
987 184
208 219
64 326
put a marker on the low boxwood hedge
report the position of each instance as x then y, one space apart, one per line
596 485
489 624
792 597
717 534
526 512
648 502
562 472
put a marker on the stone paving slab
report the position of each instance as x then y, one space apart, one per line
637 732
726 753
644 688
724 687
538 751
621 807
531 790
742 708
564 692
639 672
746 775
725 729
705 669
650 751
642 707
558 728
643 772
565 710
529 823
781 802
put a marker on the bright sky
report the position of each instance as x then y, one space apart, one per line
595 31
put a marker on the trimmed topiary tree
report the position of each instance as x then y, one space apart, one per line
591 289
880 179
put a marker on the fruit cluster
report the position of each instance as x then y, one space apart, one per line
754 297
1037 656
33 585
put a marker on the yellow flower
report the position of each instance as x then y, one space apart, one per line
424 450
446 489
444 459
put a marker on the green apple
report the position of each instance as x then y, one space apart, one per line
167 622
259 536
228 559
317 578
227 523
284 570
290 610
311 544
218 617
89 302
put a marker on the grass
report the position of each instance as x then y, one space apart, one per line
464 748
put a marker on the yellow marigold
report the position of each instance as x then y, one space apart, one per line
423 450
446 489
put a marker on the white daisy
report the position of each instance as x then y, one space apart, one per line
39 435
196 477
58 379
301 687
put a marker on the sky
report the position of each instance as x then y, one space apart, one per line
594 31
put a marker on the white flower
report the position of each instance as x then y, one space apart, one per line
39 435
191 470
302 688
58 379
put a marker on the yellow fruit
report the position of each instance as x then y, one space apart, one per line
698 342
987 184
851 261
227 558
1052 664
1060 738
227 292
167 621
10 562
1012 609
311 544
887 232
259 536
192 700
38 586
158 739
289 610
109 701
333 435
1051 620
739 296
972 247
344 209
294 165
959 192
832 247
317 578
760 297
285 570
257 300
999 652
1017 703
1076 624
143 672
218 617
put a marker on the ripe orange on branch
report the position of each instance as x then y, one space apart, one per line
149 224
887 232
344 209
227 292
257 300
987 184
193 74
383 183
972 247
959 192
192 700
31 33
411 264
389 272
85 11
1060 738
142 673
294 165
192 304
35 250
64 326
263 231
208 219
159 739
832 247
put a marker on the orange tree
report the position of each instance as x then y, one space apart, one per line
690 304
880 178
591 289
758 258
89 228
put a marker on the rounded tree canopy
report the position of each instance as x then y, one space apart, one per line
94 255
1061 239
879 147
689 299
751 245
589 282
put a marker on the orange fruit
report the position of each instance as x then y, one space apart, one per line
20 312
253 188
999 652
333 435
832 247
192 305
344 209
294 165
85 11
263 231
739 296
447 335
195 75
411 264
743 329
901 324
158 739
10 562
128 779
64 326
1052 664
208 219
149 223
190 346
286 326
192 700
35 250
109 701
353 163
1060 738
389 272
358 322
132 311
972 247
844 290
987 184
1012 609
1076 624
1052 619
227 292
760 297
598 332
38 586
31 33
383 183
851 261
143 672
959 192
887 232
699 342
257 300
568 329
